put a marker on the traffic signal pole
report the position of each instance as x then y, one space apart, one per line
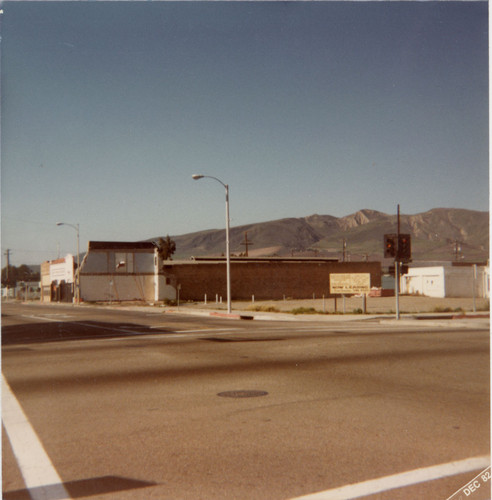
398 247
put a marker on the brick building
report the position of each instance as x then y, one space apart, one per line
265 278
128 271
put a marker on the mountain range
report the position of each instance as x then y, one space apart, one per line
441 234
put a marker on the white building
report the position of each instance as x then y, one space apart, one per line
24 290
62 270
447 281
110 271
123 271
58 280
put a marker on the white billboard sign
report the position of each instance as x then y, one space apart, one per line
350 283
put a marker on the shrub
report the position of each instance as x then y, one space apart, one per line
263 308
440 309
304 310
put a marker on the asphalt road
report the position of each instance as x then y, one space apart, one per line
141 404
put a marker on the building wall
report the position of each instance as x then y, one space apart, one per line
486 282
444 281
57 279
119 273
119 261
62 270
466 282
165 288
126 271
117 287
264 280
45 282
428 281
458 282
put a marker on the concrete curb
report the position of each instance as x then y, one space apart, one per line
277 316
471 316
422 318
216 314
409 318
230 315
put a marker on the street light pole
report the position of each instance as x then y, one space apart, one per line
228 253
77 274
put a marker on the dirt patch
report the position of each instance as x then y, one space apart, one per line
374 305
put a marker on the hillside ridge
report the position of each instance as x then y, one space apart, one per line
437 234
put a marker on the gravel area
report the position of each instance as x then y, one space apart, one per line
374 305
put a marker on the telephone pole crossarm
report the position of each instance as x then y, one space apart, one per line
246 243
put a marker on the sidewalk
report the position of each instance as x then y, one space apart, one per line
412 308
377 308
482 319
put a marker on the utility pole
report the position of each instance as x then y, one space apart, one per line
457 250
246 242
7 253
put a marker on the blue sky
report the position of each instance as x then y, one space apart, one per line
108 108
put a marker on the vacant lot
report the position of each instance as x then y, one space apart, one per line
374 305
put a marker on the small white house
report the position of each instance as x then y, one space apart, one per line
447 281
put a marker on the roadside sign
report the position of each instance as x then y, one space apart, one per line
350 283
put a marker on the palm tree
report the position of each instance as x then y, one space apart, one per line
166 248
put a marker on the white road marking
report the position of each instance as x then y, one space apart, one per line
41 478
400 480
44 318
177 335
201 329
134 332
114 328
58 315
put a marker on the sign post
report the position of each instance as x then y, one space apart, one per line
473 287
397 288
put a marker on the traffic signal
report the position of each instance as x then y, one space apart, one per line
403 269
390 245
404 247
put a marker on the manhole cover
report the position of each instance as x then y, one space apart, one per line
242 394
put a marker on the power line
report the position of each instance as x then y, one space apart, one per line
38 223
22 250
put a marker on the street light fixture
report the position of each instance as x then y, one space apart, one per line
196 177
77 274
